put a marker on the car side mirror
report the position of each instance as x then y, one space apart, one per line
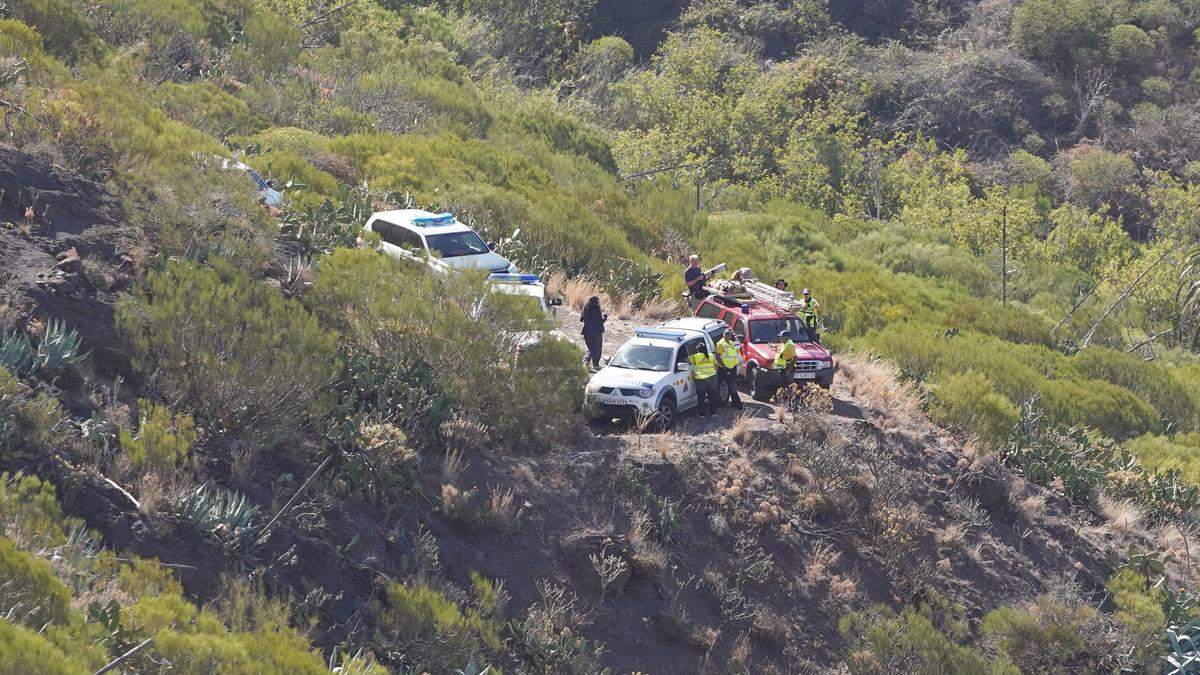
682 368
555 302
271 183
491 246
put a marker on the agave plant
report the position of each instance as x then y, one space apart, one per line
1183 656
59 347
221 513
16 353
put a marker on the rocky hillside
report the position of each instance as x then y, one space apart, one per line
236 438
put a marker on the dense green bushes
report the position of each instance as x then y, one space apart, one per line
1049 638
911 642
466 335
231 348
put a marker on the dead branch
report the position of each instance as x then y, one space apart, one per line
1078 304
1147 341
1121 298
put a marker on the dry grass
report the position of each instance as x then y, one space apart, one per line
739 432
877 383
647 554
1033 508
456 503
951 536
10 317
453 465
1122 515
524 473
1180 541
502 510
575 292
821 563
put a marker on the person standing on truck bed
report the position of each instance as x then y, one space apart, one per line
704 372
695 278
809 309
727 361
593 330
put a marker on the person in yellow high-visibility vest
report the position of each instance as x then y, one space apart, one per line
704 372
727 362
809 309
785 358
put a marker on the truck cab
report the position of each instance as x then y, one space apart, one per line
649 377
756 326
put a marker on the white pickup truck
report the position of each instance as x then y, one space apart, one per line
650 376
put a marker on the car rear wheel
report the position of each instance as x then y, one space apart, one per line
759 390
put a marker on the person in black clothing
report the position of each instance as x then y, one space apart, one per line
593 329
695 278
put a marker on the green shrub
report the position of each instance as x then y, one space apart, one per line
1099 405
1175 402
231 348
1129 45
23 650
66 32
1140 613
288 167
968 403
910 643
206 107
164 440
465 334
19 41
31 592
433 630
397 391
1180 452
29 512
29 422
1049 638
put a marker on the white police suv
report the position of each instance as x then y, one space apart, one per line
435 239
649 376
530 289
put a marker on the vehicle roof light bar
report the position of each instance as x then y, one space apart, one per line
515 278
660 334
439 219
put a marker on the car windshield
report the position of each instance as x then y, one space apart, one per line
643 357
456 244
763 331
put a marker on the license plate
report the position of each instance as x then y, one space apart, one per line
611 400
806 376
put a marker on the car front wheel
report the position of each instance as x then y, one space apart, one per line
759 390
665 414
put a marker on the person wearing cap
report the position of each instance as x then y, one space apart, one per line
727 363
704 372
785 358
808 313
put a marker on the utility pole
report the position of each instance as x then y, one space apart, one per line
1004 255
697 193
